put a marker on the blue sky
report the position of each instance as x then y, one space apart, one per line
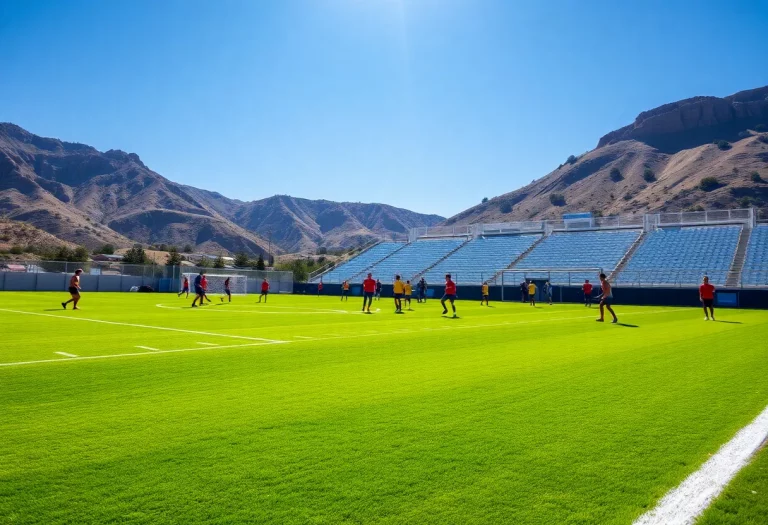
429 105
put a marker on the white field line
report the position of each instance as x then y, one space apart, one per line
147 348
272 341
249 309
131 354
165 328
206 344
683 504
65 354
302 337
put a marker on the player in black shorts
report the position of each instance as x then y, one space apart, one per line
74 290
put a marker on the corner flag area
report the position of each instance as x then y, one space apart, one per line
139 409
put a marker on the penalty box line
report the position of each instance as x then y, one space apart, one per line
164 328
686 502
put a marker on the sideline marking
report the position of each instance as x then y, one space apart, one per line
683 504
166 328
65 354
146 348
299 310
207 344
302 337
131 354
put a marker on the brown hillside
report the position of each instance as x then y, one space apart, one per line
653 165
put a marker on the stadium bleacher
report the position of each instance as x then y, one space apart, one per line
674 256
481 258
414 258
588 249
358 264
755 272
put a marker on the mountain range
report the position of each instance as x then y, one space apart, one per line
88 197
698 153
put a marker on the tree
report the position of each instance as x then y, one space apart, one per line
756 177
219 262
485 199
505 207
322 250
260 263
174 257
616 175
761 127
572 159
557 199
648 175
80 254
135 255
299 270
107 249
204 262
723 144
188 248
709 184
241 259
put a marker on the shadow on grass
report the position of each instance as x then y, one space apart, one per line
451 317
54 310
627 325
728 322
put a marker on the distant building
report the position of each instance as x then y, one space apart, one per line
107 258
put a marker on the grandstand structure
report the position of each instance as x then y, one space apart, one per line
661 249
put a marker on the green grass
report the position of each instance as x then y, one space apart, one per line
745 501
507 415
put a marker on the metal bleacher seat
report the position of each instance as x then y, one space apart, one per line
587 249
755 272
481 258
675 256
358 264
414 258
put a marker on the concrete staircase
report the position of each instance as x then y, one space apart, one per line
627 256
418 276
734 274
519 258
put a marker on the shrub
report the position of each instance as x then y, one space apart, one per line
694 208
746 202
763 139
649 175
107 249
219 262
135 255
744 134
761 127
755 177
485 199
616 175
557 199
709 184
17 250
321 260
80 254
572 159
505 207
627 197
188 248
723 144
322 250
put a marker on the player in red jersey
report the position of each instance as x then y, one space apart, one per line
185 288
319 288
264 290
707 298
74 290
204 284
450 294
369 288
587 288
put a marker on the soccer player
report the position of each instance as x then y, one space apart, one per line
319 288
524 290
532 292
204 284
74 290
408 293
549 291
484 294
587 289
378 289
449 295
707 298
199 292
264 290
422 290
369 288
345 290
399 289
227 290
185 287
606 298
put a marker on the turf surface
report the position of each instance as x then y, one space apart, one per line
305 410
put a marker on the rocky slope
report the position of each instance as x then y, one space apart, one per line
665 161
89 197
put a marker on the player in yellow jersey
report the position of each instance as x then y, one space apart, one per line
532 292
484 292
399 289
408 293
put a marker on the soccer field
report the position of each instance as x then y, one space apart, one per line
138 409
